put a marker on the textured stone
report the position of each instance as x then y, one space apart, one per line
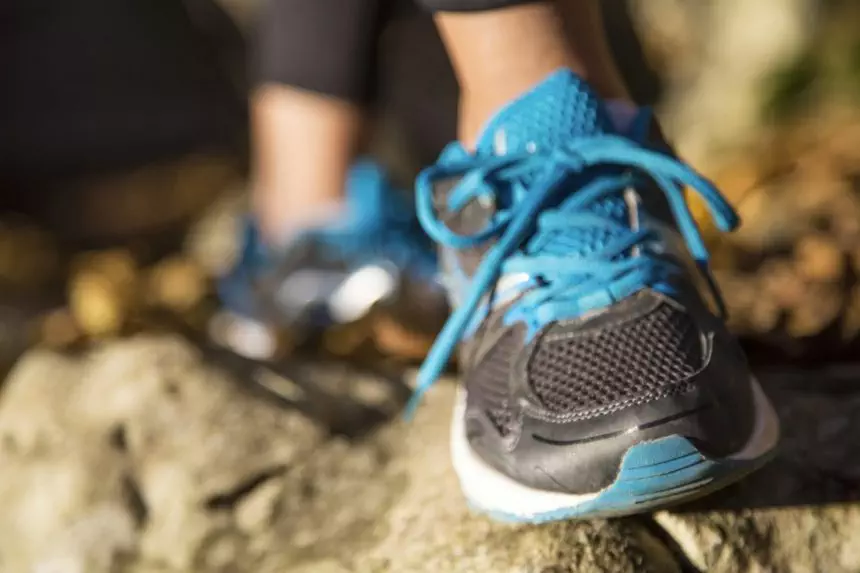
798 514
256 510
63 493
146 456
144 428
393 505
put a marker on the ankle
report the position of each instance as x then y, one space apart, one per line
518 48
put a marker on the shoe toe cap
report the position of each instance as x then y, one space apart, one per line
589 394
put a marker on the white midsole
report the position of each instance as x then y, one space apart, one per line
491 490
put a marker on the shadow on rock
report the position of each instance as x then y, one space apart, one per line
348 400
800 512
818 461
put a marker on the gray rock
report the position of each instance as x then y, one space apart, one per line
798 514
392 504
144 456
139 455
62 493
147 430
255 512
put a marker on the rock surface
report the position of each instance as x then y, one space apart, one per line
139 439
800 513
151 455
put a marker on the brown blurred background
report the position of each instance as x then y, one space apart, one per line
123 154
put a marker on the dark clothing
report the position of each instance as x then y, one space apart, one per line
91 85
331 46
469 5
325 46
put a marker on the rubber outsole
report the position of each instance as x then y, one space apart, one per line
653 475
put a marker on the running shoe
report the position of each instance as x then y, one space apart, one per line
599 378
374 253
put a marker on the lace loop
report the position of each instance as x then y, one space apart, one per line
531 211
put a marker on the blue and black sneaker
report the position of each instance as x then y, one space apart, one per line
599 378
375 253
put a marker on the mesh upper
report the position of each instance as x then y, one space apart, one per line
631 360
596 368
560 109
585 241
488 381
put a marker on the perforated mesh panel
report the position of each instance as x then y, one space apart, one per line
560 107
631 360
559 110
585 241
488 381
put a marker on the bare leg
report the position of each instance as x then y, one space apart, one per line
316 61
304 144
586 33
499 54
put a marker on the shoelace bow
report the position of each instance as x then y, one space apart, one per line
563 279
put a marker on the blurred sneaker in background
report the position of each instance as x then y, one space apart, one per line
372 254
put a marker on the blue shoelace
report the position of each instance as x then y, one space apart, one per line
526 187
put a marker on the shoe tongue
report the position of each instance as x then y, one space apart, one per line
559 108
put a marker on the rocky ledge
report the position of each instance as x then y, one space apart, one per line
153 455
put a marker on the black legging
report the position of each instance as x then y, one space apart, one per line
329 46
